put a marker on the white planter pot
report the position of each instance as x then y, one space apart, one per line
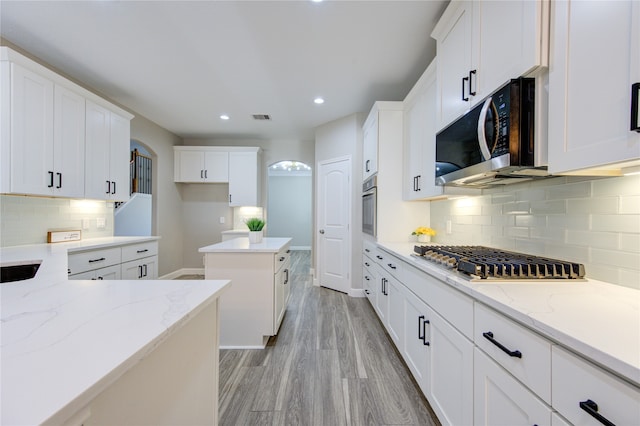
255 237
423 238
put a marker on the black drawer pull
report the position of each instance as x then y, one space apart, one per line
50 179
391 265
97 260
592 408
489 336
366 264
379 257
142 251
282 258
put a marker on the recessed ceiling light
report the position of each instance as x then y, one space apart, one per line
316 1
318 100
224 117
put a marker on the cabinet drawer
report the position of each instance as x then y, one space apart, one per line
367 261
138 251
576 381
529 357
281 258
456 307
94 259
108 273
369 249
392 265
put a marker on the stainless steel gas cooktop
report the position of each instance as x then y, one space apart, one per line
487 263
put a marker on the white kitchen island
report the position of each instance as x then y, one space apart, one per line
106 352
253 309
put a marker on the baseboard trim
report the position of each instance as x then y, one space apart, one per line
184 271
357 292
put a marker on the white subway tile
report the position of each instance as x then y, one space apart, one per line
491 209
601 272
492 231
465 220
630 204
615 223
600 205
502 198
630 242
530 194
530 221
555 235
481 220
569 221
518 207
570 190
530 247
630 278
615 258
568 252
504 243
601 240
623 185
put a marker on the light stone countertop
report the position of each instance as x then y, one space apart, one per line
242 245
63 342
598 320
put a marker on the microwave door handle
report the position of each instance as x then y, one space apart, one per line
482 137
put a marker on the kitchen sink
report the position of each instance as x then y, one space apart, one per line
18 271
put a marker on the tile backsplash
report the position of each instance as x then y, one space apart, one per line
26 220
594 221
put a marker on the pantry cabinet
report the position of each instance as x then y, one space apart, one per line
370 147
57 138
107 154
481 45
591 101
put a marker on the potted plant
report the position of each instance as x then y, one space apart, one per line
255 226
424 234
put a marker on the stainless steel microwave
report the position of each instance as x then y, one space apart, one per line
493 143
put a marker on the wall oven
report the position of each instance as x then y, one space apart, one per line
369 205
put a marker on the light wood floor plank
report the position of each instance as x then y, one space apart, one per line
332 363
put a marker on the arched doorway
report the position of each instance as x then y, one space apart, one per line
290 201
135 217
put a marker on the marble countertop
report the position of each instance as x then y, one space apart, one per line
236 231
242 245
63 342
598 320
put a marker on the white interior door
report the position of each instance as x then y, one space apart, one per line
334 213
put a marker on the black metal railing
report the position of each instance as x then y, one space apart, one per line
140 172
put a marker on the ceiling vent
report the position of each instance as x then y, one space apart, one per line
262 117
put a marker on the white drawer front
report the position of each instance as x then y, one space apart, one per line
392 265
94 259
369 249
577 381
108 273
520 351
281 258
456 307
138 251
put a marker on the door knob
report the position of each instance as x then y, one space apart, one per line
322 231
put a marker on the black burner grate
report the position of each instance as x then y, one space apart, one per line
486 262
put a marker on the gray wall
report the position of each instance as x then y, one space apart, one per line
290 209
167 202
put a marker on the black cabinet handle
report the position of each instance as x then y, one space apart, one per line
366 166
145 270
367 250
489 336
139 271
96 260
286 276
288 251
142 251
471 74
592 408
108 186
205 174
384 288
229 198
366 277
424 332
50 180
100 278
59 180
379 257
391 265
463 97
421 326
366 264
114 187
635 113
282 258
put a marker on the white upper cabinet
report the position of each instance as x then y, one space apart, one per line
58 139
370 146
483 44
197 165
107 154
239 166
595 63
244 178
420 138
44 136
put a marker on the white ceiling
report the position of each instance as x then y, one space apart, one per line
182 64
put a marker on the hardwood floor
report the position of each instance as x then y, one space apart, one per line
331 363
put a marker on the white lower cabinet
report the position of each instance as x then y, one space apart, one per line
143 269
382 302
415 349
450 387
395 323
586 395
499 399
109 273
